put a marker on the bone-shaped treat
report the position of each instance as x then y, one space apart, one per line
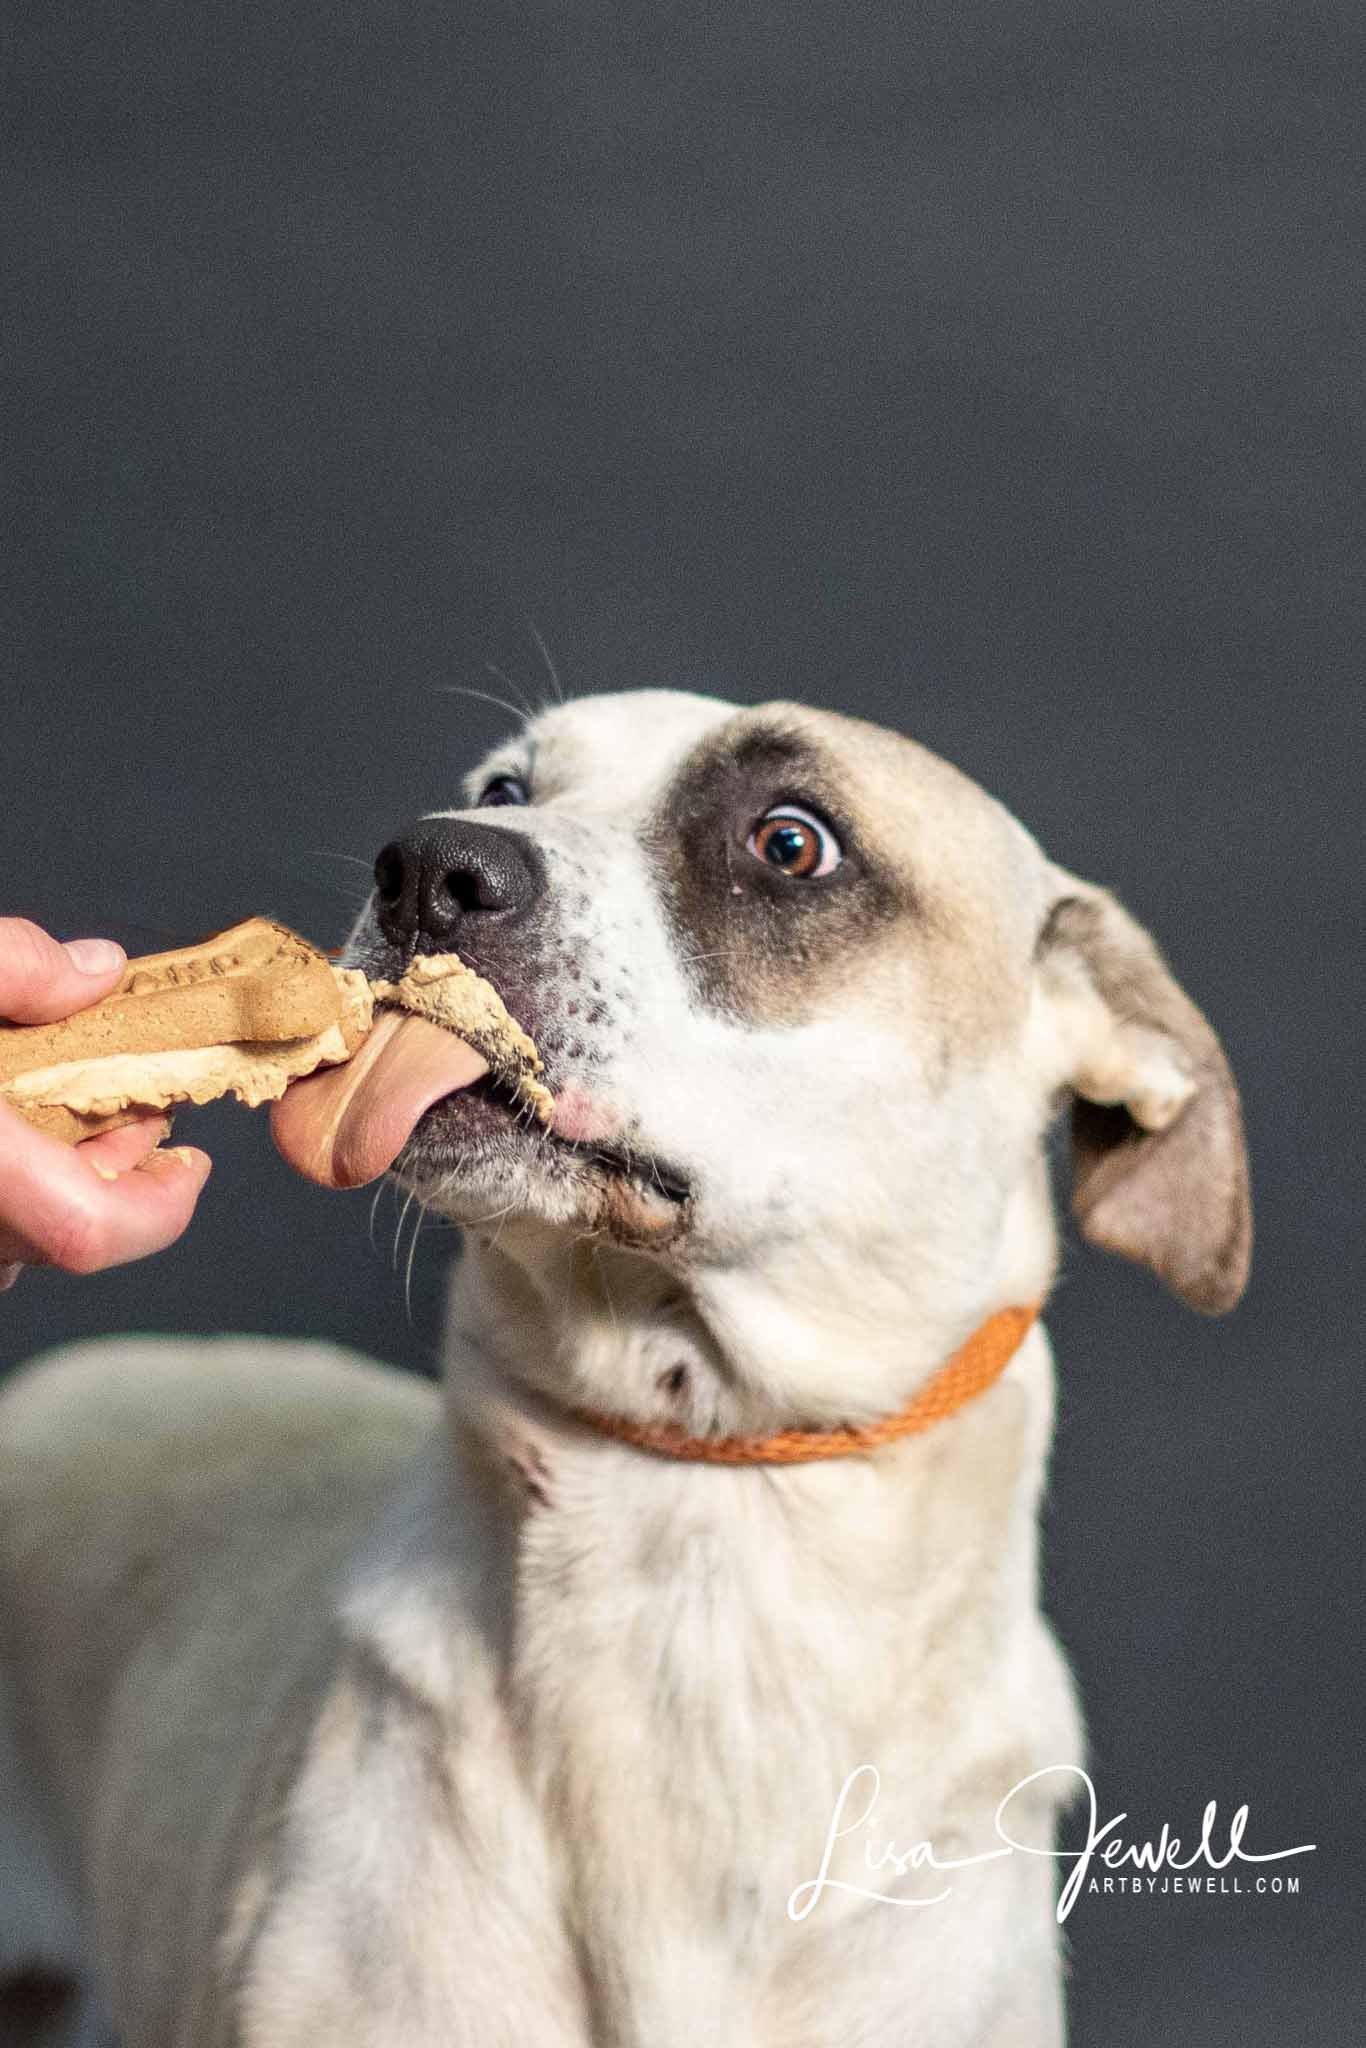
247 1010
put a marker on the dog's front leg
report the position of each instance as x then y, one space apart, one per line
1034 2018
1030 2013
403 1898
364 1971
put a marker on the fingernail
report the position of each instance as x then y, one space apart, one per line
95 956
8 1276
104 1172
181 1154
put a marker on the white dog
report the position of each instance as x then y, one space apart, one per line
376 1724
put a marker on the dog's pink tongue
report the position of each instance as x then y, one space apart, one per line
345 1125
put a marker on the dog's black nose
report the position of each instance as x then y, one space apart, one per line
446 875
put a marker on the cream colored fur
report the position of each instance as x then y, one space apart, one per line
376 1722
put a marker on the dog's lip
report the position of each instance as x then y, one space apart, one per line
643 1170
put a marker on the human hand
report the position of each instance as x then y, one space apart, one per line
112 1198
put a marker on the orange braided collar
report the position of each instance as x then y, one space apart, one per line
971 1370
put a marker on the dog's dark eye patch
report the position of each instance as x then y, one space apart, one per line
759 944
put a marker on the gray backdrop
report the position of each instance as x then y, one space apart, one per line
992 369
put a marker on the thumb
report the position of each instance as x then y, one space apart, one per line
41 981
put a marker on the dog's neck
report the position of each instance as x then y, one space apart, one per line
794 1337
532 1336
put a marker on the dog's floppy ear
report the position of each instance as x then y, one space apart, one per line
1159 1162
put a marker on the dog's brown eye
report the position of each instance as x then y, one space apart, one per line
796 842
503 789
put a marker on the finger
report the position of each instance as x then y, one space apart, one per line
61 1209
41 981
130 1216
124 1148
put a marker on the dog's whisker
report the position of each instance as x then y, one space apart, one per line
516 688
398 1231
380 1186
551 669
716 953
334 893
408 1275
522 713
606 1289
299 874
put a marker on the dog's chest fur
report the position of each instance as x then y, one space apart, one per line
614 1700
